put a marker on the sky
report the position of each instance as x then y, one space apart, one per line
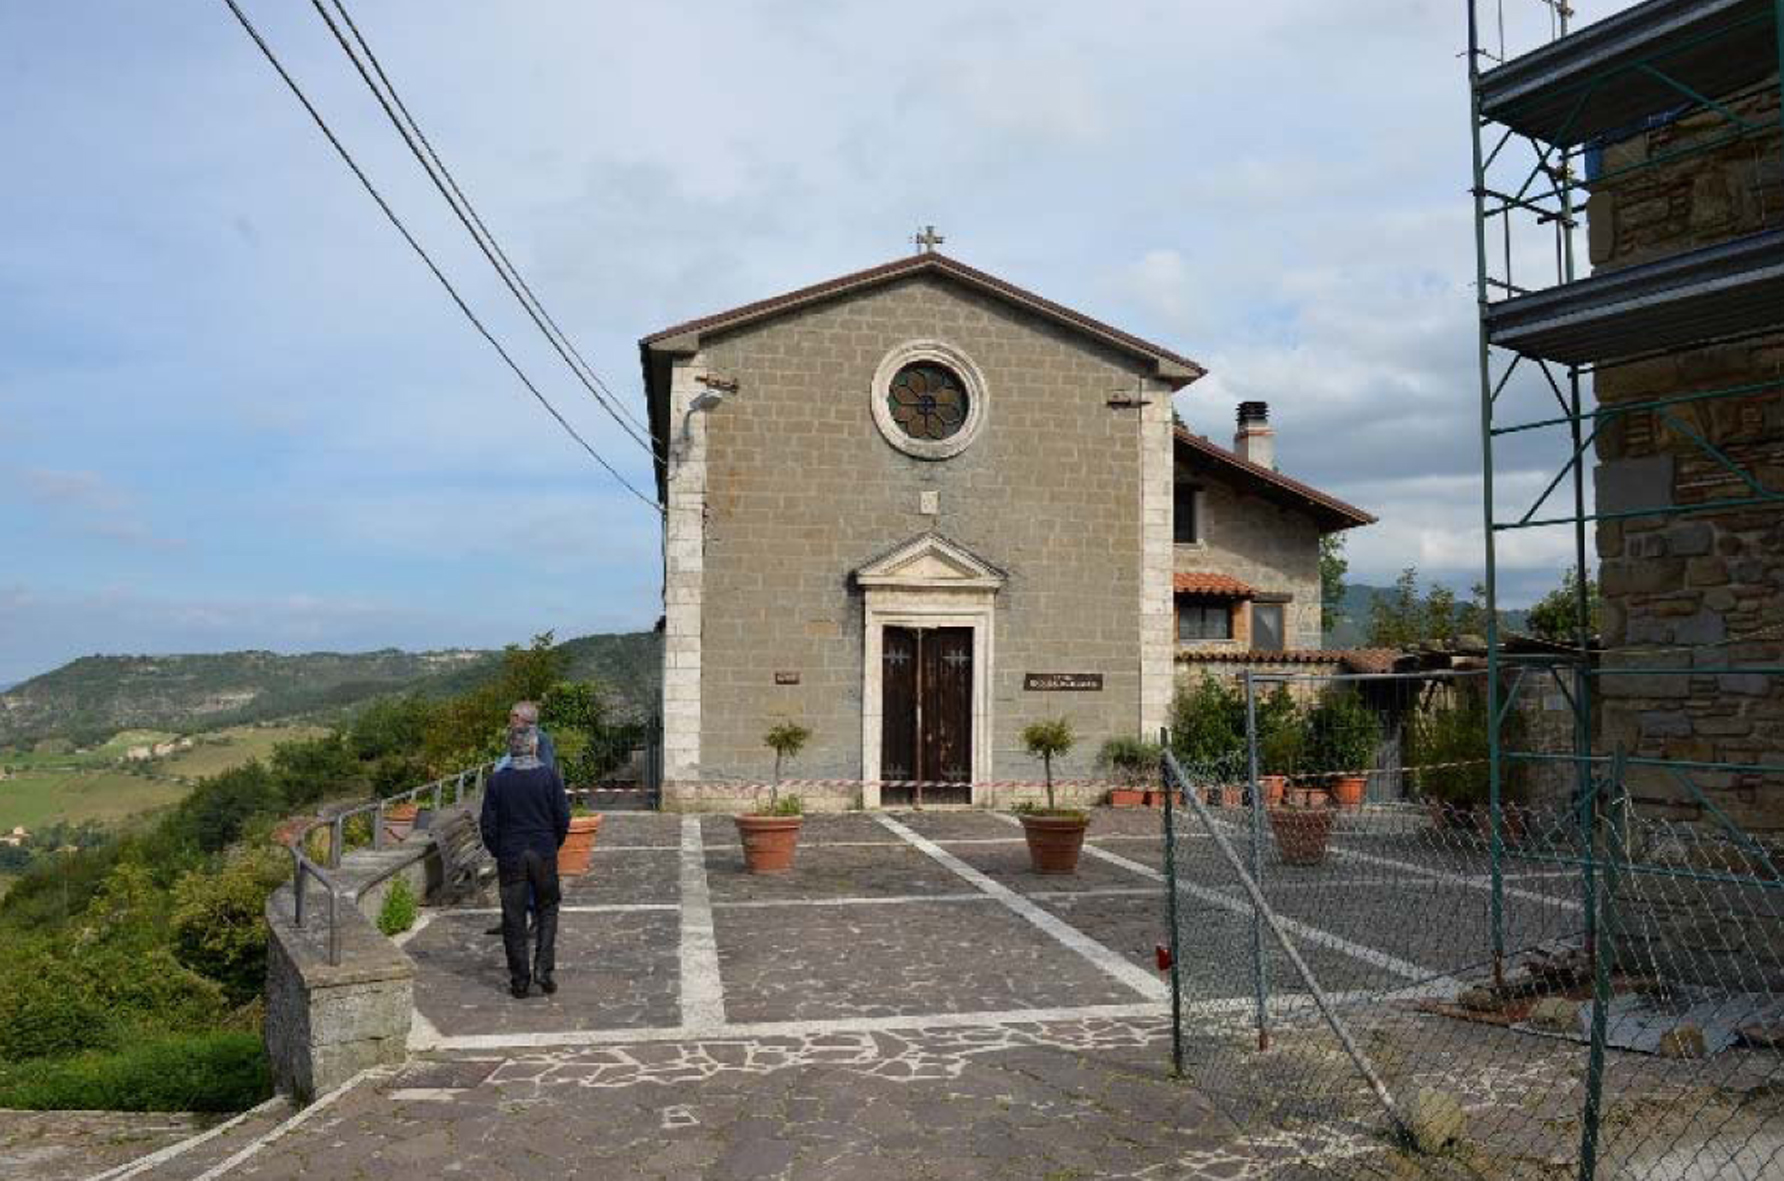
237 412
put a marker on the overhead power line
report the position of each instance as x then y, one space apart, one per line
425 154
347 158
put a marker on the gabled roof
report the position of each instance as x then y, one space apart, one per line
930 560
1331 513
685 338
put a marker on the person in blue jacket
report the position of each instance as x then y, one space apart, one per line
525 817
526 713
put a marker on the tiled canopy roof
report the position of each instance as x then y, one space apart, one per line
1355 660
1223 586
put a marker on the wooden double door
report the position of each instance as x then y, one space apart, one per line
926 731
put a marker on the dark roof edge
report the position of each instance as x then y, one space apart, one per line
1349 513
685 337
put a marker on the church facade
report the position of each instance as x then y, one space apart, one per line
912 509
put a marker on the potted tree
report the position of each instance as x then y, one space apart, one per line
1132 763
771 836
1302 829
1208 735
578 848
1346 735
1055 835
1282 744
1447 756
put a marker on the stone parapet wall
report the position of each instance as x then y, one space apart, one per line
1703 590
327 1022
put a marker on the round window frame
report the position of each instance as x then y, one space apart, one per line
971 381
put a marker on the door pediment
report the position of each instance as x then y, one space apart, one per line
930 561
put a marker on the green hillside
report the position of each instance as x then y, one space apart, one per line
90 699
1352 630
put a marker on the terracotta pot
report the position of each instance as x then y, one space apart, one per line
1274 787
769 842
399 821
1127 797
1306 797
1349 791
578 846
1156 799
1301 834
1054 842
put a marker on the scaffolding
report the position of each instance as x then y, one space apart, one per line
1551 128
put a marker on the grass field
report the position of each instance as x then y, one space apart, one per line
88 786
214 753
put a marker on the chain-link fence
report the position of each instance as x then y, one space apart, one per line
1405 981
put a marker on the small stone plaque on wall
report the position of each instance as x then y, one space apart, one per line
786 678
1063 682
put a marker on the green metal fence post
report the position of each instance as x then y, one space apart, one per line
1164 778
1596 905
1260 982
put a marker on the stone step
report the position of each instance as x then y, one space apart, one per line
196 1156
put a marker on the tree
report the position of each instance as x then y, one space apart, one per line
1047 740
1333 566
1397 618
1555 616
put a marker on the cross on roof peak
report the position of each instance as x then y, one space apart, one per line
928 240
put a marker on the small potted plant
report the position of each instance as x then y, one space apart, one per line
399 819
1132 763
771 836
578 848
1346 737
1055 835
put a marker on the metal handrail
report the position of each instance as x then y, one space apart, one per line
304 868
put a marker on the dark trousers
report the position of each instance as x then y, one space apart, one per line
533 874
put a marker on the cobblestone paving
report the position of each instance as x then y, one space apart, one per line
892 870
63 1145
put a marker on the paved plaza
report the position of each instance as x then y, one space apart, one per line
911 1002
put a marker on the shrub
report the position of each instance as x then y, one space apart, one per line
46 1007
219 921
398 912
1208 722
1130 760
1282 734
172 1072
786 740
1345 733
1446 751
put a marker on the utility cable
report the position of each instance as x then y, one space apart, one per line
347 158
448 186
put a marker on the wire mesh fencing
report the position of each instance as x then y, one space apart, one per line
1412 982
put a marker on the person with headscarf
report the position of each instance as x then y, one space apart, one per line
525 817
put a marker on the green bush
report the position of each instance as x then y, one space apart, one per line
219 921
1282 734
1446 751
1208 722
1344 732
398 912
46 1008
173 1072
1130 760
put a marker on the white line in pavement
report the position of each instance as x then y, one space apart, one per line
1111 964
1369 955
702 989
886 900
135 1167
322 1103
1442 875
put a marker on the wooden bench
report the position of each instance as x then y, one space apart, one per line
465 865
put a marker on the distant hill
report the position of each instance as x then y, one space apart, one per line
91 698
1353 630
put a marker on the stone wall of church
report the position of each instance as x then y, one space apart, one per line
1272 548
802 488
1703 590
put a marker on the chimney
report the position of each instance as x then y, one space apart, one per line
1255 440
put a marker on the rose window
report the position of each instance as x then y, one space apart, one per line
927 401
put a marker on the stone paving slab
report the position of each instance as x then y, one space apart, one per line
620 829
1055 1100
626 875
946 826
64 1145
888 871
1132 927
1010 866
814 963
615 971
820 828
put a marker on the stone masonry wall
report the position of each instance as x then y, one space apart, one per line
1698 590
802 489
1273 548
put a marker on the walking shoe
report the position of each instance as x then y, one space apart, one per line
518 991
547 985
495 930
